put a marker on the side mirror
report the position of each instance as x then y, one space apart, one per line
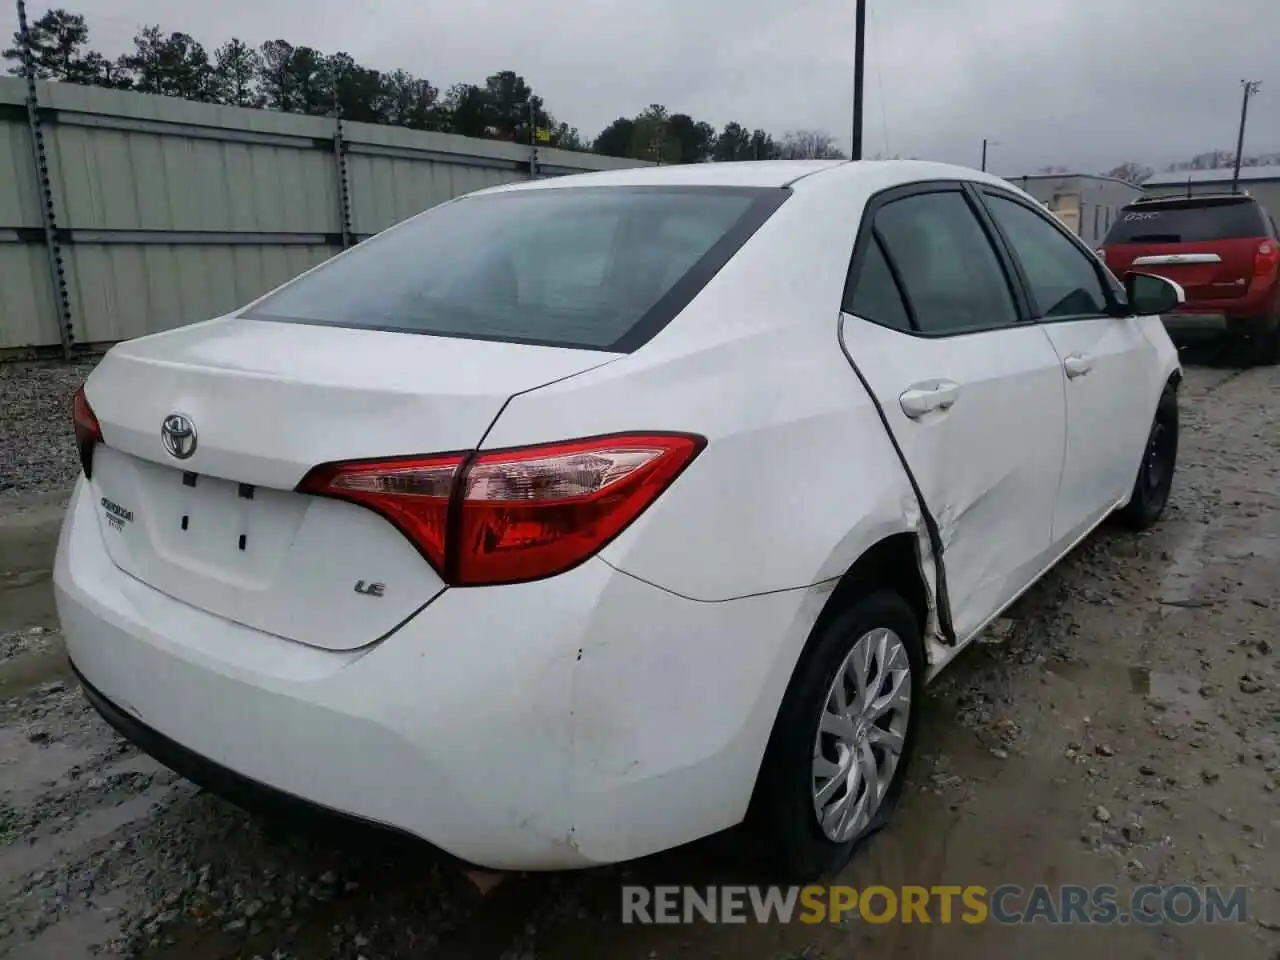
1149 295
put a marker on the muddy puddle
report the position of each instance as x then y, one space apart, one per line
1171 695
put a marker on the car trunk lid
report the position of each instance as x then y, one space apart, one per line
222 528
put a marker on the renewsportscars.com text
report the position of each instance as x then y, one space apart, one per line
1007 904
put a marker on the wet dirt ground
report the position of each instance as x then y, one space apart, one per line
1121 727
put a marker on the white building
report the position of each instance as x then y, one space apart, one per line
1087 203
1262 183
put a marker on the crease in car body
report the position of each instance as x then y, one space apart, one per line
964 510
939 646
941 634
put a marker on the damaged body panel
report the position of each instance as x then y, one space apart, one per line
987 466
684 482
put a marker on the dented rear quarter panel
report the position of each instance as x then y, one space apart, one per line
798 474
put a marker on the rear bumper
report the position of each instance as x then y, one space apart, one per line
1197 327
584 719
222 781
1194 327
1245 316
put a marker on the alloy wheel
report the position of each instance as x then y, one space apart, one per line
861 734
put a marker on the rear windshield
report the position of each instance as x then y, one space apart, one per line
1188 222
600 268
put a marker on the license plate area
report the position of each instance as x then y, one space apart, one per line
233 531
161 520
215 504
281 562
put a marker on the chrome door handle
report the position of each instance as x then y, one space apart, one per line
918 401
1077 365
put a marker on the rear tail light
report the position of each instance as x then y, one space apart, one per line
1266 260
88 430
414 494
508 516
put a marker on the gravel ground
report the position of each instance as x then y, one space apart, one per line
1121 726
37 445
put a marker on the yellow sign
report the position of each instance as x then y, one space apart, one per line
542 135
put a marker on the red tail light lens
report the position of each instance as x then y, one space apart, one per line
536 512
88 430
514 515
1266 260
412 493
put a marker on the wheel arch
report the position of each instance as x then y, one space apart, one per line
892 563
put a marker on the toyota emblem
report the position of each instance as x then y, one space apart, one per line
179 435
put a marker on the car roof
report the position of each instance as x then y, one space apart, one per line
1215 199
763 173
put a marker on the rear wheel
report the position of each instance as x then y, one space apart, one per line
843 738
1265 346
1155 476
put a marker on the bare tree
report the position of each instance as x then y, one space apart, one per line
809 145
1209 160
1130 172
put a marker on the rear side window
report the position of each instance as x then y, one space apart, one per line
599 268
950 273
875 295
1188 221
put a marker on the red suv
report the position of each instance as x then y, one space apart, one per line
1224 250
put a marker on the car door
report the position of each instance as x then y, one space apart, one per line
972 394
1108 407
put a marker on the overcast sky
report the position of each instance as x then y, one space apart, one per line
1086 84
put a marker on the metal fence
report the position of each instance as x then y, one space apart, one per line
123 214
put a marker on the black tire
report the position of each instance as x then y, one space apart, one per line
782 817
1159 460
1264 349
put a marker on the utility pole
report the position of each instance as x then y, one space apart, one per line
533 142
859 56
1250 88
985 144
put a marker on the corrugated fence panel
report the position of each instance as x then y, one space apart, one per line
27 314
386 190
129 290
118 180
169 212
19 188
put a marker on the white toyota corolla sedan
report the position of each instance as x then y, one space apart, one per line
570 521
